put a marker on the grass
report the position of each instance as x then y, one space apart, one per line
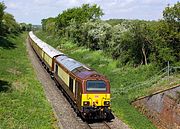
22 99
127 83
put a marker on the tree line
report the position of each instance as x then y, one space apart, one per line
8 23
134 42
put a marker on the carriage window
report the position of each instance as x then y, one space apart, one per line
71 84
96 86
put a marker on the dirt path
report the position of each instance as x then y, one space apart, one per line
64 114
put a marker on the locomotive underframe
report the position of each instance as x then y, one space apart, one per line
101 112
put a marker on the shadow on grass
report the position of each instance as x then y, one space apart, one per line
6 44
4 86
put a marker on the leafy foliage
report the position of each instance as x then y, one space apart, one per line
79 15
133 42
49 24
9 24
171 31
172 14
2 8
96 35
114 22
25 27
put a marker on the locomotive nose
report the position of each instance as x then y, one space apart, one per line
96 100
95 103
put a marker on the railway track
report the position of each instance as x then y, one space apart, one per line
102 125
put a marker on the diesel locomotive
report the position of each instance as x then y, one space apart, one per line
87 90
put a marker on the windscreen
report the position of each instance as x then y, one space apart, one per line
96 85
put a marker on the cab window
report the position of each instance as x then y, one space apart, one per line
96 85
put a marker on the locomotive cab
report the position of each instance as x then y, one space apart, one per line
96 98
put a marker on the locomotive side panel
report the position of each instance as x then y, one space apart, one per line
63 75
70 85
65 80
79 96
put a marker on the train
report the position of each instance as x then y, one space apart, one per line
87 91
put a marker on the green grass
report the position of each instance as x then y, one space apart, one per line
22 99
122 78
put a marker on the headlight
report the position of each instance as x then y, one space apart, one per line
86 103
106 103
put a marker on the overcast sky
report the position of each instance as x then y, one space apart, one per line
32 11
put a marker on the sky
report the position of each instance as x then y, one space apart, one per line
33 11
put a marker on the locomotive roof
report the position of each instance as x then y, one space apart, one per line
46 47
69 63
76 67
85 74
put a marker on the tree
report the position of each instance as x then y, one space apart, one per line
48 25
2 8
78 15
142 40
114 22
172 14
134 42
131 42
25 27
171 29
123 45
97 34
9 24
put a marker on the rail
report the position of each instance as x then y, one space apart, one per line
101 125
